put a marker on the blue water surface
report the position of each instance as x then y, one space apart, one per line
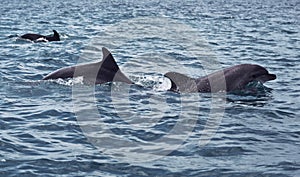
68 128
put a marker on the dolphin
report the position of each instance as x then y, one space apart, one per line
229 79
41 38
100 72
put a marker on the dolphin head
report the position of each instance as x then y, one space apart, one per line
259 73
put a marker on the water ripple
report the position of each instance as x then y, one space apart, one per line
41 130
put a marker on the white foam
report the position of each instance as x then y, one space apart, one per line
70 82
158 83
42 39
164 84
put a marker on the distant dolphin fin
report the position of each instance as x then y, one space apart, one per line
109 70
181 82
55 36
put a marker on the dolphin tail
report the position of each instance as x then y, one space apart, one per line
181 82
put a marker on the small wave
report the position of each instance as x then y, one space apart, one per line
253 89
254 94
158 83
68 82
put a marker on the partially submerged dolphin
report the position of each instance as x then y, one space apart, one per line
229 79
41 38
100 72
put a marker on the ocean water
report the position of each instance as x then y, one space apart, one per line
67 128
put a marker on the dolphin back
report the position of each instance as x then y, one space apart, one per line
93 73
41 38
63 73
32 37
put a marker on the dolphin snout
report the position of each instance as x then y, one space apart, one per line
266 77
272 76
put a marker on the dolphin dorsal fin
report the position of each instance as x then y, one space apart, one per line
56 35
108 60
105 52
181 82
109 70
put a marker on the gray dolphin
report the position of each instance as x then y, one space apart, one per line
41 38
229 79
100 72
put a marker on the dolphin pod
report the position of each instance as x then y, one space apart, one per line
41 38
228 79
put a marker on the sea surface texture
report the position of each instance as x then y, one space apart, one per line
66 127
